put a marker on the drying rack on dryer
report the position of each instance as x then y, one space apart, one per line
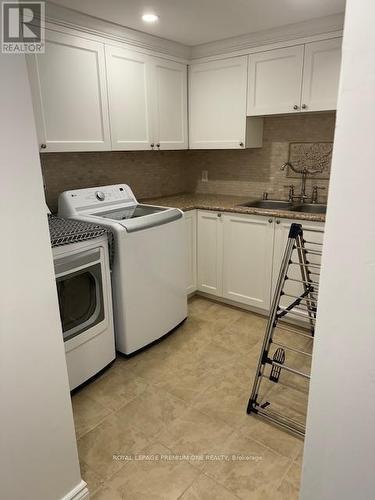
280 389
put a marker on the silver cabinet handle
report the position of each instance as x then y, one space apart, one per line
152 145
295 107
277 221
304 106
43 146
270 220
219 214
158 145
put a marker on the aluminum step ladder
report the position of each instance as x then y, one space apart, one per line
280 389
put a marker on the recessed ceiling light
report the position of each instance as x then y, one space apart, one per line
150 18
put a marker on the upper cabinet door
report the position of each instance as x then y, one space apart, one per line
275 80
217 111
321 75
129 92
70 95
170 104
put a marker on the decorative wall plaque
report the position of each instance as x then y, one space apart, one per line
313 155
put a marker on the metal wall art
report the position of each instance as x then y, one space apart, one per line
312 155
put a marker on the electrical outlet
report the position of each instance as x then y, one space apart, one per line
204 175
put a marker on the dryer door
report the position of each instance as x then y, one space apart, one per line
80 292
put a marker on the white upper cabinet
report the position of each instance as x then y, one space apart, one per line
170 104
129 92
275 79
294 79
147 101
217 104
321 75
70 95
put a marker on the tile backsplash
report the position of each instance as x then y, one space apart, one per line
247 172
149 173
253 171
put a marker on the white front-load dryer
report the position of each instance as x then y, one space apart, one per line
85 300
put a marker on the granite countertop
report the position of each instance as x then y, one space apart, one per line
226 203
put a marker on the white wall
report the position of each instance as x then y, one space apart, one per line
339 459
38 454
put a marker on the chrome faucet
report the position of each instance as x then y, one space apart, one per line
314 194
304 173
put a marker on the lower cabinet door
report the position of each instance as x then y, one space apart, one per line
191 250
282 227
210 252
247 259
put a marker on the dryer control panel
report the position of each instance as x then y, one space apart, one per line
89 200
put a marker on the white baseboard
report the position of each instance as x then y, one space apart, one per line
80 492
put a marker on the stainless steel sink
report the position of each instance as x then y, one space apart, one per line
311 208
269 204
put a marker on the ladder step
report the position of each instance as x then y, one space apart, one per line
288 348
279 357
291 330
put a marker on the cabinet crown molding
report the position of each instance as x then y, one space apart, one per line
290 33
63 17
72 19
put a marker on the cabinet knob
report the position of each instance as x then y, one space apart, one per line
158 145
242 144
219 214
304 106
295 107
152 145
43 146
277 221
270 220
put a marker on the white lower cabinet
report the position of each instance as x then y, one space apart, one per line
239 256
210 251
247 259
191 250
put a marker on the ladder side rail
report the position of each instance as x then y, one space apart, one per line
295 229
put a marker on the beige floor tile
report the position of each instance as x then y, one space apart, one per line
271 436
205 488
116 389
187 378
188 392
290 485
195 433
93 480
87 413
256 474
114 436
225 401
159 479
106 493
152 411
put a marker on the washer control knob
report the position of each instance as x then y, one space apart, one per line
100 195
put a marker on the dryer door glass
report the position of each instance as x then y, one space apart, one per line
80 296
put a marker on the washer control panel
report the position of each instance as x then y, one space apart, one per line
100 195
90 199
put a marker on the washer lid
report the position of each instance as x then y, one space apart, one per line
138 217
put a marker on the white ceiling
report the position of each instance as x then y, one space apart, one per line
193 22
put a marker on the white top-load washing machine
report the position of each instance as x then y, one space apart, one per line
149 268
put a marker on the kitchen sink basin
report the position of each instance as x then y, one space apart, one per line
311 208
269 204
